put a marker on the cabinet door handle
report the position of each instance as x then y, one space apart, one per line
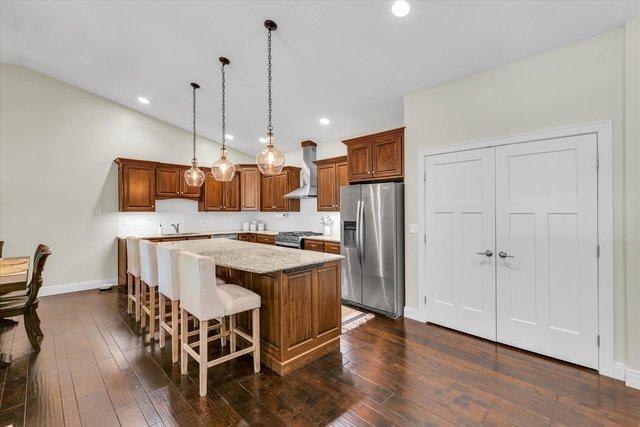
503 254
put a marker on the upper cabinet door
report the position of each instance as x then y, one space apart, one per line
167 181
326 187
280 189
266 193
359 161
187 190
213 199
387 152
342 179
137 188
231 194
250 188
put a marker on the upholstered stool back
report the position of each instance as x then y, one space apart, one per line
148 263
133 256
168 271
198 288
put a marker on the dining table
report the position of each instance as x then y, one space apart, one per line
13 277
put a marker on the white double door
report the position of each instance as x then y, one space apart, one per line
512 245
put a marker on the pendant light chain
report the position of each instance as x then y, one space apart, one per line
224 134
269 126
194 124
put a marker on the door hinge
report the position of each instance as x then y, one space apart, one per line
597 162
424 237
598 251
425 300
424 177
598 340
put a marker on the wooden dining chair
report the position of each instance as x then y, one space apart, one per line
27 305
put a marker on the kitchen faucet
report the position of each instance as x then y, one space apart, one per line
176 227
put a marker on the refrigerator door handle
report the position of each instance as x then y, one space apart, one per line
358 227
361 232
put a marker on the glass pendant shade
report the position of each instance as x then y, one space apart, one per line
270 160
223 169
194 176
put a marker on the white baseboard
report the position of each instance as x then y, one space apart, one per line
619 369
633 378
75 287
411 313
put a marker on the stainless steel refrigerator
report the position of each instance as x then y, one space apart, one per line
372 221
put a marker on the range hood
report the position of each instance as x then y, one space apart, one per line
309 179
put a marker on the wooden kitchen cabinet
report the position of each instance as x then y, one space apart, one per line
321 246
220 196
250 187
136 185
170 183
247 237
332 174
266 239
274 187
377 157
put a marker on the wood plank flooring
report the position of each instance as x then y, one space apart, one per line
96 369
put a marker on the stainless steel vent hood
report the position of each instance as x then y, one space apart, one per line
309 178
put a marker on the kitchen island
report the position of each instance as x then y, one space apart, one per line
300 292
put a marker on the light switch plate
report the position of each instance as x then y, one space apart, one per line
413 229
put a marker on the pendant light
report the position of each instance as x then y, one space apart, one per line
194 175
270 160
223 169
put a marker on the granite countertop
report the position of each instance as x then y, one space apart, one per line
200 233
254 257
335 239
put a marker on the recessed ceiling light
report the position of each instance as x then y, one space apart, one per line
143 100
324 121
263 140
401 8
227 136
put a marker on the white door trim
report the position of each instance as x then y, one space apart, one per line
603 132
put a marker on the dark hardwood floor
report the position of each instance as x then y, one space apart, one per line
95 368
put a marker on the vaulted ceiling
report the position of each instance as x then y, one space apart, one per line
349 61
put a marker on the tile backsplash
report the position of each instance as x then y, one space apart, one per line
185 212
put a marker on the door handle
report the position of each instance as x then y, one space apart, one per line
503 254
488 253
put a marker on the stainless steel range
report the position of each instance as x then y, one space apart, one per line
293 239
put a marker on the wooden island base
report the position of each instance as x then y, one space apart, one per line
300 313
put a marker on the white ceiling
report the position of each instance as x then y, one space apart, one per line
351 61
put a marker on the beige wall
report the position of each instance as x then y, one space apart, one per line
575 84
632 157
57 145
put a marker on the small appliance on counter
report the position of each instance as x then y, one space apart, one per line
261 226
253 226
245 226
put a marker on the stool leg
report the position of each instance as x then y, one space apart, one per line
174 331
161 308
137 302
184 340
204 328
152 313
143 302
232 329
223 329
129 293
255 325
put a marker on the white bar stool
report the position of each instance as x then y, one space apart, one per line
133 276
149 280
169 288
202 297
